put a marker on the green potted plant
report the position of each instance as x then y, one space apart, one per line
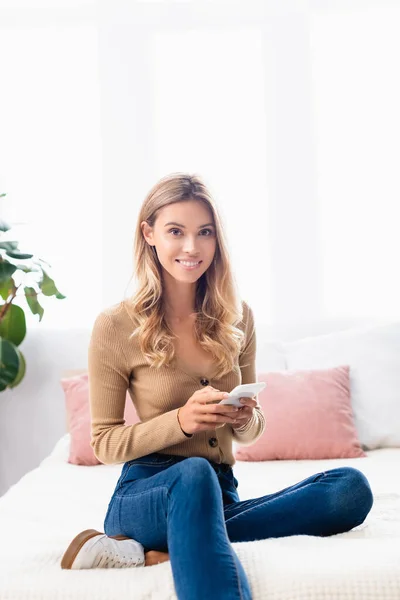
12 316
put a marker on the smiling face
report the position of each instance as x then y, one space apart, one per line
183 231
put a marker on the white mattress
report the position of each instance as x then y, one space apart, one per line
51 504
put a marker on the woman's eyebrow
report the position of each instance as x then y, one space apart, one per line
180 224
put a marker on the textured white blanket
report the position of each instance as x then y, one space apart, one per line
42 513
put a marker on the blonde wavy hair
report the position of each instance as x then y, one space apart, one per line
218 306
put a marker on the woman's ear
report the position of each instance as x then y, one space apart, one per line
147 231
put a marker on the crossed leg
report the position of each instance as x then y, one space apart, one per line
323 504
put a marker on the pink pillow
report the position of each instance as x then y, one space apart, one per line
76 390
308 415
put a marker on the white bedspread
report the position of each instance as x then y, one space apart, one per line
51 504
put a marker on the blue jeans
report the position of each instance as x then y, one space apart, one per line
189 507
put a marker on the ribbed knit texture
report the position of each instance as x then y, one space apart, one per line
117 364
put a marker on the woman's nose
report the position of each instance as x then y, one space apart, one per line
190 246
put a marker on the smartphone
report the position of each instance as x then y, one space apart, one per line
246 390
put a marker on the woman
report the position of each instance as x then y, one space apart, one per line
179 345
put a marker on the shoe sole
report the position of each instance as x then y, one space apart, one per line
73 549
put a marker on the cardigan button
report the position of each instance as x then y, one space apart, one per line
213 442
204 381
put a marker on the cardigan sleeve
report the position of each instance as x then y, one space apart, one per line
109 374
254 428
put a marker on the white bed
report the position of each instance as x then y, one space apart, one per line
52 503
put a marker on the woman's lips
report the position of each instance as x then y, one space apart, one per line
187 268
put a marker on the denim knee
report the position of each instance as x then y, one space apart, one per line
197 466
353 494
198 471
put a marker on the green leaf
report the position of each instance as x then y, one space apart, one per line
6 288
31 298
9 245
13 324
6 270
48 286
9 363
18 254
21 370
4 226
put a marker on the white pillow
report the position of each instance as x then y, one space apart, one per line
373 354
60 451
270 355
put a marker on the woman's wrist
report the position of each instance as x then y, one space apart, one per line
187 434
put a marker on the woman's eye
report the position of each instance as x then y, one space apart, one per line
209 231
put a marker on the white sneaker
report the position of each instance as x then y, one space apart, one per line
92 549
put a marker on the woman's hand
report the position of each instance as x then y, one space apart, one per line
202 411
245 412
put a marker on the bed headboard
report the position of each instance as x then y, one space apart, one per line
65 375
